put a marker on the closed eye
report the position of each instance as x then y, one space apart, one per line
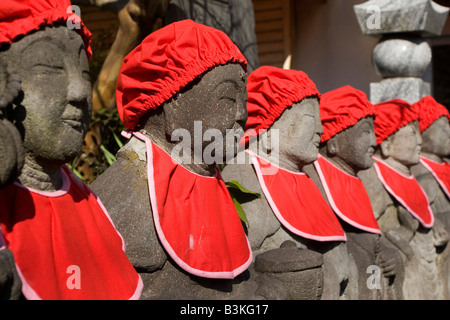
47 69
228 99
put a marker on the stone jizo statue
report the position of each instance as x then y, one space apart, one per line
52 222
179 93
347 146
399 203
433 170
282 136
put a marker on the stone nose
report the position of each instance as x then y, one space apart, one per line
78 88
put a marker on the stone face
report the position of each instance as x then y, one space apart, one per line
395 16
401 58
44 77
54 110
409 89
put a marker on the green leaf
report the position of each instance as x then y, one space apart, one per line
119 143
110 158
240 210
77 173
240 194
237 186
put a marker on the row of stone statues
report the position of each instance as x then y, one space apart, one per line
351 199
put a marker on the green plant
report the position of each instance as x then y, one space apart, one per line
239 194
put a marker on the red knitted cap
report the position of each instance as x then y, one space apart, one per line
429 111
21 17
342 108
165 62
270 91
392 115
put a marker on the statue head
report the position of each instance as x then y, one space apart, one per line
285 101
434 126
185 80
397 131
55 110
51 59
348 139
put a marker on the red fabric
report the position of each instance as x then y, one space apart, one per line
347 196
342 108
166 61
49 232
407 191
440 171
195 218
297 203
21 17
392 115
270 91
429 111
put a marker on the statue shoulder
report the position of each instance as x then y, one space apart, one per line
123 190
426 181
379 197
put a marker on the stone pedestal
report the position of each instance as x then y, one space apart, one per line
409 89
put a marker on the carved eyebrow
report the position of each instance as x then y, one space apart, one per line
47 40
226 81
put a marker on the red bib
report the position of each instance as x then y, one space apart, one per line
297 202
407 191
195 218
440 171
65 245
347 196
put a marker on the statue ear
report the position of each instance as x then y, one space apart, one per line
386 147
169 112
332 146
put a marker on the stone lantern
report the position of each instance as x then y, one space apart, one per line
401 56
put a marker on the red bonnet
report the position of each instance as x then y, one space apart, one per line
392 115
342 108
21 17
270 91
429 111
165 62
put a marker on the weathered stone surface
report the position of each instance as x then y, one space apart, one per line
409 89
424 16
10 284
298 269
287 259
12 153
401 58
